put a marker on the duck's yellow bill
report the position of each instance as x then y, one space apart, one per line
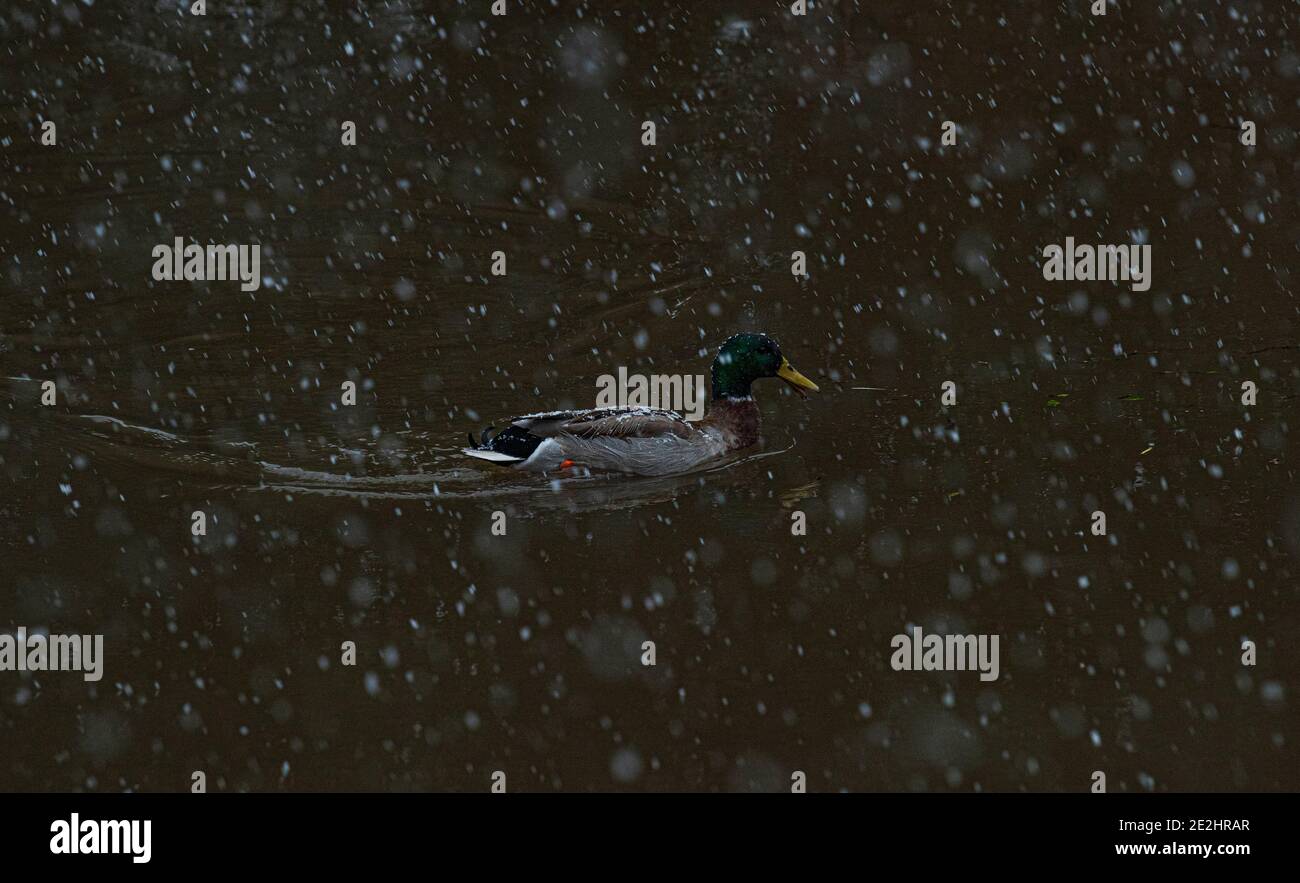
787 373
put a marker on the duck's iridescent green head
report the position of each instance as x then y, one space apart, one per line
744 358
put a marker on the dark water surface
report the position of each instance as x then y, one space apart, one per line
478 653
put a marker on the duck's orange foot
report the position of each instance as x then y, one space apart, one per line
566 464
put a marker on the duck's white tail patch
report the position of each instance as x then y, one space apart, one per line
492 456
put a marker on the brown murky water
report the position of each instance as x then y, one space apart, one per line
478 653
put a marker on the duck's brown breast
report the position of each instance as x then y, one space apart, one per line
736 419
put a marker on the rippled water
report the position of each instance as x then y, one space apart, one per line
521 653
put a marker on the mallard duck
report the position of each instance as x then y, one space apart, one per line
648 441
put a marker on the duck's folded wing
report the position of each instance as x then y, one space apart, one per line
607 423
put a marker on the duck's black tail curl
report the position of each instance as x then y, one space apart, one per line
511 441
